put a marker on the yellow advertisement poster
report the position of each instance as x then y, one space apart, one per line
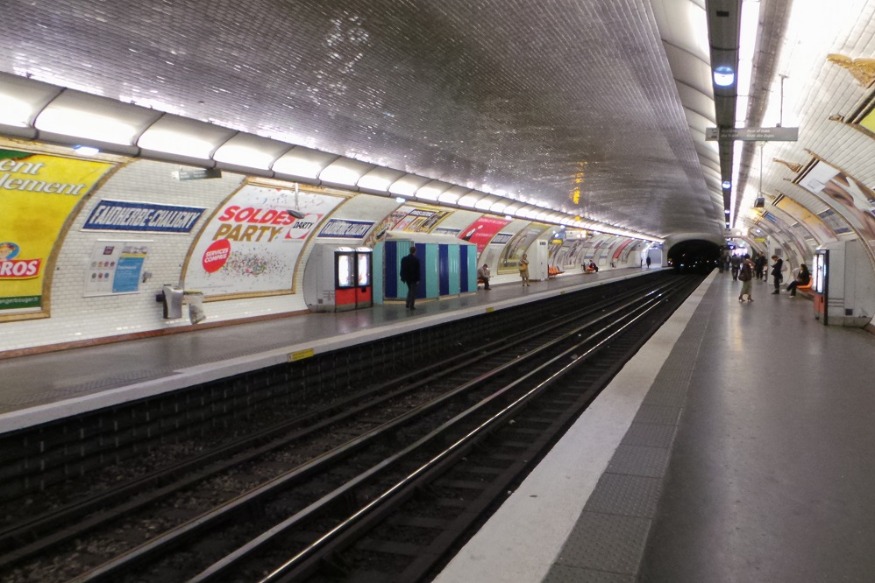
868 122
37 194
818 229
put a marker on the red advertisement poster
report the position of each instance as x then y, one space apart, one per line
481 231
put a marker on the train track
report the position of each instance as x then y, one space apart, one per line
352 465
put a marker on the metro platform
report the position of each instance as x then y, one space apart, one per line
734 446
39 388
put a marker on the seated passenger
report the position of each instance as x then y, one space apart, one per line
592 267
802 278
483 275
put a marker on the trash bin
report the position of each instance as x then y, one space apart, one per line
195 301
172 302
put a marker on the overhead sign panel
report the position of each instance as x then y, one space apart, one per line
753 134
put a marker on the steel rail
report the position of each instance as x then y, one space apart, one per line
608 332
87 515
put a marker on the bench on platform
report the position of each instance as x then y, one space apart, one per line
806 290
553 271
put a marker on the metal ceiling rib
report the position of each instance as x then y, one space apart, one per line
529 99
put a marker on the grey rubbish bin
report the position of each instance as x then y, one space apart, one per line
195 301
172 302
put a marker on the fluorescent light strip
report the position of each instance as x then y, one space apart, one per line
750 14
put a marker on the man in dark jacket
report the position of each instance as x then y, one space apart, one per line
410 275
777 266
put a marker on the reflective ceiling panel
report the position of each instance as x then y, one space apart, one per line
568 102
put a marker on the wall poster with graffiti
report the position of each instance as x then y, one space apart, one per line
251 245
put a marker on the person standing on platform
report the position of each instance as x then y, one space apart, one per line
735 263
777 266
745 276
802 278
483 275
410 275
524 269
647 261
759 265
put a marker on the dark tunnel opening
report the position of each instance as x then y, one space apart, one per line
694 256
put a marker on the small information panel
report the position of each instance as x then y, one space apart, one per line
753 134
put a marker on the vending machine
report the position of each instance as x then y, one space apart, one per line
843 284
820 287
345 284
364 277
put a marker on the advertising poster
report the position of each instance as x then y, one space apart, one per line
619 249
407 218
818 229
555 250
868 122
481 231
115 267
37 195
627 250
851 199
792 237
594 252
252 243
510 257
420 220
834 222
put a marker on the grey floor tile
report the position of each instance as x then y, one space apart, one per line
605 542
625 495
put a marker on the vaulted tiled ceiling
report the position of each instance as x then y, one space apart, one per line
532 99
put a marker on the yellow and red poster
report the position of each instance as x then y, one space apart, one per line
37 194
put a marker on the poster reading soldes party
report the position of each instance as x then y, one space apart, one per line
252 244
37 195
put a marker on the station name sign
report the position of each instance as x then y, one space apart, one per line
116 215
752 134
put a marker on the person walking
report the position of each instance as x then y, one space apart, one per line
483 275
410 275
745 276
802 278
524 269
777 266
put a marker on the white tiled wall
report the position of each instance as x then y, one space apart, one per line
75 317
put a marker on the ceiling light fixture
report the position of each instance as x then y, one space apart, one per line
86 150
724 76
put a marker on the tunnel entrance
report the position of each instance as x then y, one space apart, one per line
694 256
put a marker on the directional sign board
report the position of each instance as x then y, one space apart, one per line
753 134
